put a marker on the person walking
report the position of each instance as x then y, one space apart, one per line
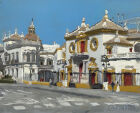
118 87
50 81
112 85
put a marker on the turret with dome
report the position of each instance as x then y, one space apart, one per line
31 33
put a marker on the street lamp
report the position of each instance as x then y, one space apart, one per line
105 64
64 68
65 74
30 73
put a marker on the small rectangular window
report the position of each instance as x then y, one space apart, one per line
130 49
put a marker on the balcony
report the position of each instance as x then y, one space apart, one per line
130 55
46 67
83 55
62 61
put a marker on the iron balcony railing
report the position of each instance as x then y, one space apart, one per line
83 55
133 55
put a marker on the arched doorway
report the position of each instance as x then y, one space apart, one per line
128 79
109 77
93 78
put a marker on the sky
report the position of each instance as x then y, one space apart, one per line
53 17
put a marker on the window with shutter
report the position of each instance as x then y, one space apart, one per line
82 46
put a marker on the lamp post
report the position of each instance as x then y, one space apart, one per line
30 73
65 74
105 64
64 68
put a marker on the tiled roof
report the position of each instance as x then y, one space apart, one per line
76 32
107 24
32 37
133 31
15 36
81 28
118 41
134 36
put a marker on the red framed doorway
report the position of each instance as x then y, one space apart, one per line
128 79
93 78
109 77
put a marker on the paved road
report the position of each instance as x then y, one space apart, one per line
20 99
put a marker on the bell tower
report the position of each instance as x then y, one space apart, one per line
31 28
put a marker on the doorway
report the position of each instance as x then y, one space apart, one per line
128 79
109 78
93 78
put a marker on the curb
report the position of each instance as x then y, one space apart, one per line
96 93
75 91
66 92
130 89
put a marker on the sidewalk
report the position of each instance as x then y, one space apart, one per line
82 92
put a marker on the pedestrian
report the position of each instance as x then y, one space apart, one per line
41 79
112 85
50 81
118 87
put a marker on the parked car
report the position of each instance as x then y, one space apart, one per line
97 86
71 84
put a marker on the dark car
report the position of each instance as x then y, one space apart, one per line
71 84
97 86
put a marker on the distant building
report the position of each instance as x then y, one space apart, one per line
25 57
21 54
1 63
60 63
47 61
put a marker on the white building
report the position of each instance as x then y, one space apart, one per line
21 54
60 63
26 58
47 62
125 58
84 48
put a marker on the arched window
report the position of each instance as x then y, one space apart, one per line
24 57
137 47
28 57
109 49
49 62
41 61
12 72
12 58
17 57
33 57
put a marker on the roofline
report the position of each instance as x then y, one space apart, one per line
98 31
